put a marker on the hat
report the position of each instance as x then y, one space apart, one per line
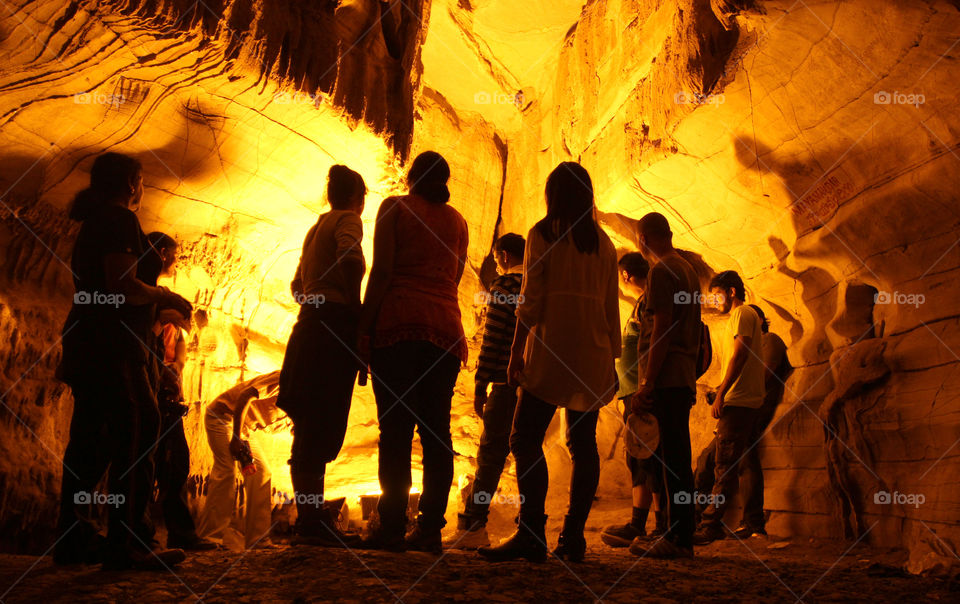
643 435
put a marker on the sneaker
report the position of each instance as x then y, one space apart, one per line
708 534
745 532
663 549
468 540
424 540
621 535
654 535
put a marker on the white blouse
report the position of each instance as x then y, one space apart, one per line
569 301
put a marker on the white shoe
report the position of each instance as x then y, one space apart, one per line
468 540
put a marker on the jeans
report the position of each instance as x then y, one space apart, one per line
413 384
492 454
115 424
671 406
222 488
530 425
736 432
173 469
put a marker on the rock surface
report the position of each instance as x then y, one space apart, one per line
810 146
753 570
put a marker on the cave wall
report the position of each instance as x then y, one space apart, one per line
236 115
810 146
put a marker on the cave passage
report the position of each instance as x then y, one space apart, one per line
437 300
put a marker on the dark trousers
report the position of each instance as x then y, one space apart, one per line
115 423
530 425
736 432
413 384
316 383
671 406
492 454
173 469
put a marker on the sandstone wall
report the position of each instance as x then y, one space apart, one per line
780 141
810 146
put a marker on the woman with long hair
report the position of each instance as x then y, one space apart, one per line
567 338
107 338
411 331
320 365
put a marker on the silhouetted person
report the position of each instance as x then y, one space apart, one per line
568 335
321 363
231 420
107 343
776 369
496 408
646 475
411 326
173 454
738 398
668 387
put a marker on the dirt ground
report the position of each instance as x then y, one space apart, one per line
756 570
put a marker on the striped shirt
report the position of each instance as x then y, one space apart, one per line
499 324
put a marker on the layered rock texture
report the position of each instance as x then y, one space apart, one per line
811 146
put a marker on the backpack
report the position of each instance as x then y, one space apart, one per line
705 351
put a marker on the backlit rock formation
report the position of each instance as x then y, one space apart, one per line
810 146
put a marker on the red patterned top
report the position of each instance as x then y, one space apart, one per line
421 303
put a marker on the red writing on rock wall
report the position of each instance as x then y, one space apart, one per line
820 203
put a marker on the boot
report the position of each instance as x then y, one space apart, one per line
422 539
316 524
571 546
528 542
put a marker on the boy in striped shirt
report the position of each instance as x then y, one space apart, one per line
497 407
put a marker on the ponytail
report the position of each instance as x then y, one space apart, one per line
428 177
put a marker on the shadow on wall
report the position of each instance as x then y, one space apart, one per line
847 232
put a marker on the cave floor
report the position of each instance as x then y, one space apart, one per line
790 571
